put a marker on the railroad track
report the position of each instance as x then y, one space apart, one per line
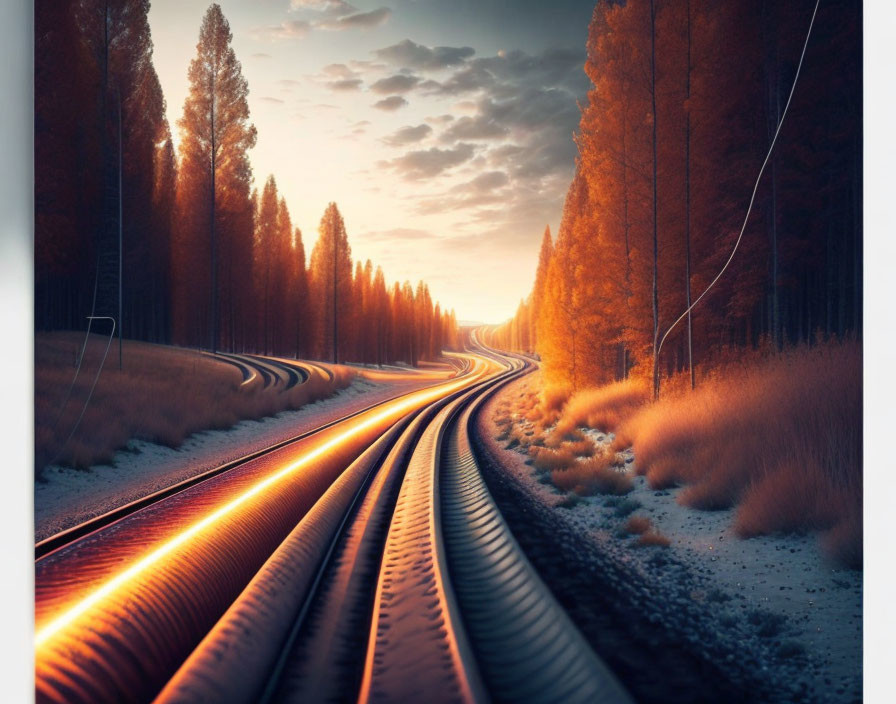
396 580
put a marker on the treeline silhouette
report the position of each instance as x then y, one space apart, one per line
685 101
204 259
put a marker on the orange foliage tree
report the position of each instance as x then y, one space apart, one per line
686 98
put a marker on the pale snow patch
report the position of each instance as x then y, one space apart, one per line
782 574
69 496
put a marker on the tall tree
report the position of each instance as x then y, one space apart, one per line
331 280
544 260
298 295
265 262
215 179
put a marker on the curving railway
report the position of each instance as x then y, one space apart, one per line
363 562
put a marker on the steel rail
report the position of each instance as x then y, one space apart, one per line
417 643
324 657
65 537
242 656
526 646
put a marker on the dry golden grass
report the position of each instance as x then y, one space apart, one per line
591 476
552 401
637 525
780 439
605 407
163 395
653 539
547 459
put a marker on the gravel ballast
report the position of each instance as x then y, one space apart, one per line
709 618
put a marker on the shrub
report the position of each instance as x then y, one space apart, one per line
768 624
779 439
653 540
626 507
592 476
637 525
547 459
553 399
604 407
569 501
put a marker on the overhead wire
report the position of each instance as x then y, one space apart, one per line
743 227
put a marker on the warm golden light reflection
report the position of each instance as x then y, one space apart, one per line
391 412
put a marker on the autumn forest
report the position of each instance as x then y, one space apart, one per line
685 102
207 259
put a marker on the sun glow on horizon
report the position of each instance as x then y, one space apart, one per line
431 187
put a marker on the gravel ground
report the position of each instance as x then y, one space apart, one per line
711 617
70 496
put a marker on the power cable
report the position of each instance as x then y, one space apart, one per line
743 227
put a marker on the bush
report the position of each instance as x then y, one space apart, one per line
626 507
604 407
546 459
591 476
767 623
637 525
653 540
781 440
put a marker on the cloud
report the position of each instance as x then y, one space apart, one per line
261 55
290 29
504 74
467 80
331 8
488 181
345 85
390 104
440 119
533 109
399 233
409 54
483 190
339 71
408 135
551 68
399 83
479 127
268 99
367 65
358 20
427 163
338 15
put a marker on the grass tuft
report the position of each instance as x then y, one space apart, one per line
591 476
653 540
637 525
779 439
603 408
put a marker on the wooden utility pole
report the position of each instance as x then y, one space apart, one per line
656 370
214 236
335 324
120 238
687 207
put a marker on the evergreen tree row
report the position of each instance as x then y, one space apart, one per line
203 260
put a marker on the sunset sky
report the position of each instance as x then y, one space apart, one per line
443 130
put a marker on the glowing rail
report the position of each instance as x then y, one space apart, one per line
46 633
